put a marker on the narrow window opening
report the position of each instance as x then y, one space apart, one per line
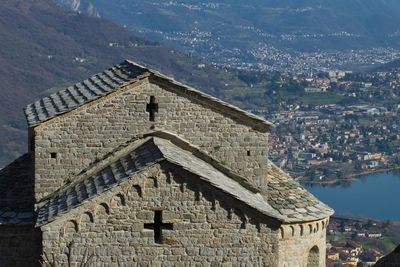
197 195
53 155
229 215
248 153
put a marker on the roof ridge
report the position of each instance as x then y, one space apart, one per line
262 124
97 165
201 154
143 154
99 180
139 140
114 78
159 146
37 113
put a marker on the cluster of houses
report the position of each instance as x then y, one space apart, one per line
351 254
356 138
343 251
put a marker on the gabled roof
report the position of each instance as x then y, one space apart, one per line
110 81
16 192
145 153
287 201
84 92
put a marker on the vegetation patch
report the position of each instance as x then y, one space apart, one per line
321 99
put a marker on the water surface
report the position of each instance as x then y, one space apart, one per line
374 196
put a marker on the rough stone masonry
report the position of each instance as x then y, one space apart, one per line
131 168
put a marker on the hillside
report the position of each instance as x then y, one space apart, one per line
43 46
306 25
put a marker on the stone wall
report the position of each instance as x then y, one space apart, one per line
19 246
208 227
68 143
300 242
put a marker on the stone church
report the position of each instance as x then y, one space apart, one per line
131 168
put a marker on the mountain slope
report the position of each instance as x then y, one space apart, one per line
298 24
43 46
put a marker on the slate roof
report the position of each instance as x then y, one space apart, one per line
107 82
16 192
290 199
152 150
116 172
83 92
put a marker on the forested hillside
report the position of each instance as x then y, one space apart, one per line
44 47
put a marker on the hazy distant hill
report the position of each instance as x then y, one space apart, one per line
297 24
43 46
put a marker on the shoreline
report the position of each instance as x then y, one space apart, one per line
361 219
350 178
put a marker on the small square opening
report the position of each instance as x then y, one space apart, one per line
248 153
53 155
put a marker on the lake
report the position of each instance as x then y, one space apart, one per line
375 196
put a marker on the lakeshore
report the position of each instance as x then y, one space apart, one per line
348 179
371 196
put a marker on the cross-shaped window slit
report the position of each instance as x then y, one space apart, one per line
152 108
158 226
